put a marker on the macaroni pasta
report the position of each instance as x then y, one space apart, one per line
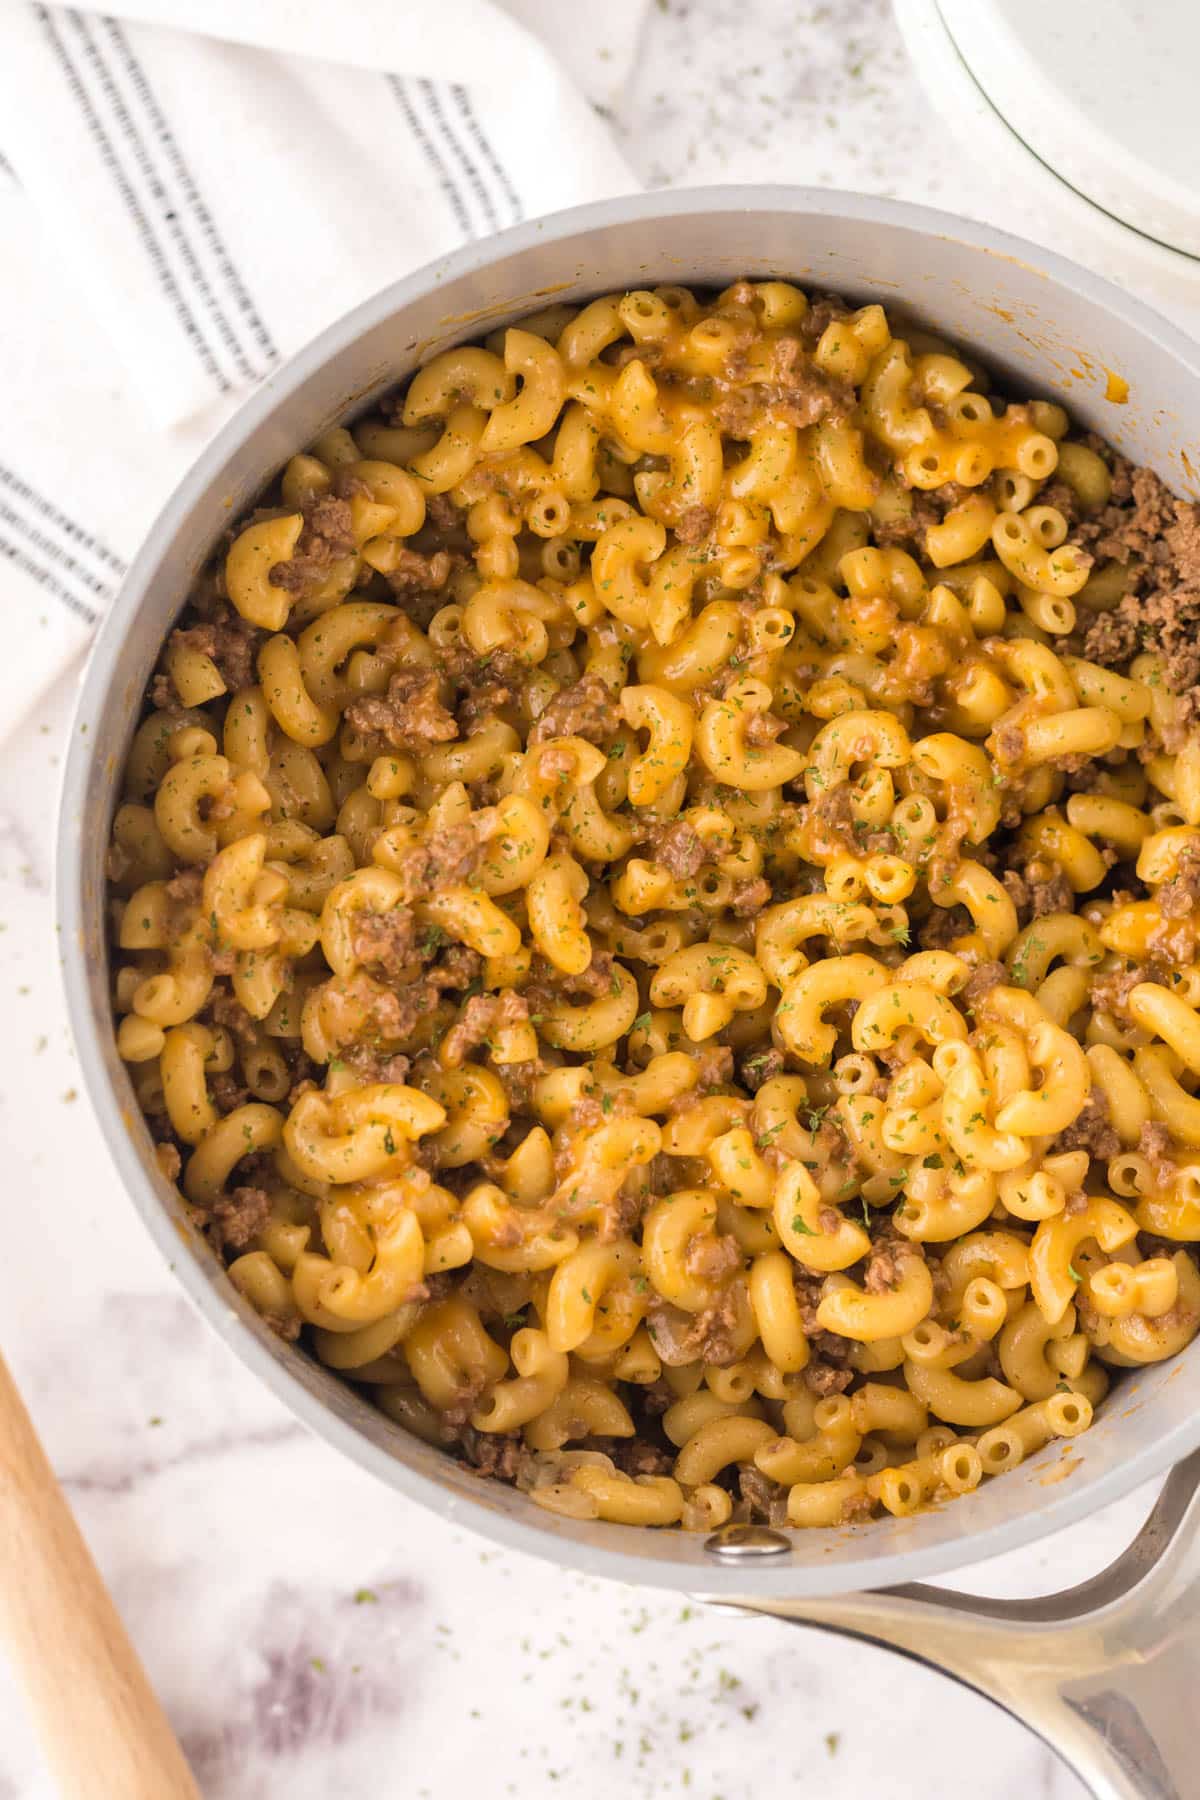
656 913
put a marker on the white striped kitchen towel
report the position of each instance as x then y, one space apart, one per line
191 189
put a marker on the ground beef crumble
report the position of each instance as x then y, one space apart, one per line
1157 538
759 1067
1041 889
224 1009
886 1263
677 847
500 1455
694 524
485 686
448 857
1091 1131
639 1456
983 978
1154 1142
547 985
1111 990
482 1015
414 573
706 1336
236 1219
823 1375
586 709
226 1092
231 643
457 967
749 897
387 943
327 536
788 390
1177 897
763 1502
410 716
714 1067
823 310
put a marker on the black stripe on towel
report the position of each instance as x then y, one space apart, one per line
433 156
435 110
483 144
52 556
23 498
45 577
208 238
170 220
155 254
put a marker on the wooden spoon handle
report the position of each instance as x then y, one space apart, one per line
104 1733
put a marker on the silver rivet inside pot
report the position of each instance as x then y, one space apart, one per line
741 1542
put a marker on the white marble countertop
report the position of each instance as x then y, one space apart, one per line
311 1633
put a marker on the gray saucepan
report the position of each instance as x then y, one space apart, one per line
1102 1672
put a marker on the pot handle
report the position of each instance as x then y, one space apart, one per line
1107 1673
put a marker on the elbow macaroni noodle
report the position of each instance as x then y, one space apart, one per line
564 946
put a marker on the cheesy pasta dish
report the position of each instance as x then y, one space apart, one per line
656 911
